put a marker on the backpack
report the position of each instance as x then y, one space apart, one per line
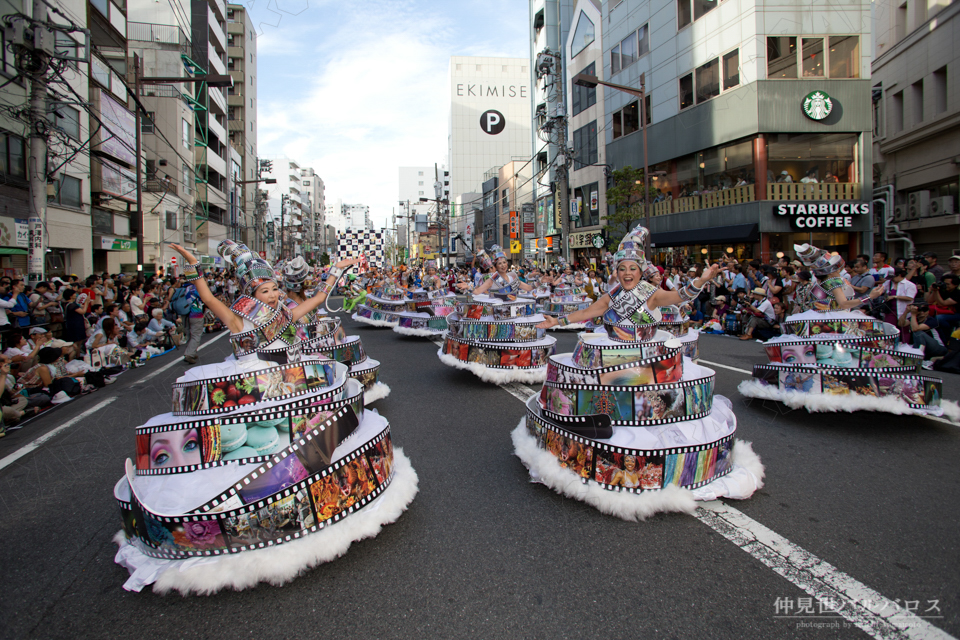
180 303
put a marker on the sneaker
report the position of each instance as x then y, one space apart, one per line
110 379
60 398
927 364
190 359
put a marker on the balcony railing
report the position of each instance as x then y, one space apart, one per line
747 193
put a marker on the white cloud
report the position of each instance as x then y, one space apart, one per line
357 90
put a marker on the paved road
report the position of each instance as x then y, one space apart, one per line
484 553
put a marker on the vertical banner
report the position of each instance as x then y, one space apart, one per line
36 256
514 225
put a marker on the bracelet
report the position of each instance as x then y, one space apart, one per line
192 272
332 277
563 321
689 292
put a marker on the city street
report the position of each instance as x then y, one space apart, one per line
866 504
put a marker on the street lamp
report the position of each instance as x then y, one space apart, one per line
591 82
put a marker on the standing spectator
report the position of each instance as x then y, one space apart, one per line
739 280
21 308
881 270
136 302
932 266
40 305
74 326
904 292
761 313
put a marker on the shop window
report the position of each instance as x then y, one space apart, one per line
781 57
585 145
844 57
68 192
686 91
12 160
812 52
584 97
583 36
589 216
812 157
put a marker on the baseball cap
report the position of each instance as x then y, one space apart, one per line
37 330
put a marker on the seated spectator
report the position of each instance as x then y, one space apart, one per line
925 331
21 353
946 296
759 313
55 377
39 335
139 338
108 333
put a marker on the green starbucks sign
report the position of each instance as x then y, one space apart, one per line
817 105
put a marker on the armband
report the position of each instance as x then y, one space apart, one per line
689 292
192 272
864 299
332 277
563 321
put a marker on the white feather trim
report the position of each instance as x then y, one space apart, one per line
572 327
820 402
740 483
374 323
422 333
378 391
532 375
275 565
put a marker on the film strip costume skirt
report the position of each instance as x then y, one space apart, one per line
426 313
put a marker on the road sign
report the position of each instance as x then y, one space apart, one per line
173 260
515 246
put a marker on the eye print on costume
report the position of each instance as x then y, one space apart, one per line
799 354
174 449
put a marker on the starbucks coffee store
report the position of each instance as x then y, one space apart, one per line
759 168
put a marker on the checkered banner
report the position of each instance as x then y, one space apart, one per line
352 243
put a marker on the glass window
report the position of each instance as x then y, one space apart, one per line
617 127
844 57
686 91
703 7
187 178
646 108
781 57
68 192
684 14
813 63
68 119
185 131
102 221
731 69
644 41
585 97
100 71
16 157
171 220
829 157
708 80
631 118
628 51
585 145
615 60
589 216
146 122
583 36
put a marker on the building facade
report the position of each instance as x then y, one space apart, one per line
760 123
917 127
242 122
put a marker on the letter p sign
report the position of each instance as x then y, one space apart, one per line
492 122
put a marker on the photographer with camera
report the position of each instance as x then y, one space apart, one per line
945 296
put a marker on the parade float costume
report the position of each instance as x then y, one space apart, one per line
629 425
565 298
383 307
495 335
829 359
428 307
268 464
326 338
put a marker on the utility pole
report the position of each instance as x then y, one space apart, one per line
38 154
283 209
139 139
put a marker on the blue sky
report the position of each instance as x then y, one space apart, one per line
359 88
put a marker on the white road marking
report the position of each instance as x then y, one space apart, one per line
879 616
34 445
862 606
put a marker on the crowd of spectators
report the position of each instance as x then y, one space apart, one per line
68 336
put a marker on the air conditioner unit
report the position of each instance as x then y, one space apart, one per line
900 213
919 202
941 206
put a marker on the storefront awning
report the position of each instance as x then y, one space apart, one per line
732 234
7 251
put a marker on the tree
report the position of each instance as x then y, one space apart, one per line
626 195
324 259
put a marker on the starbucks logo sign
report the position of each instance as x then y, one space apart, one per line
817 105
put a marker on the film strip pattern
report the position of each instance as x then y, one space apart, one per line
436 308
366 373
563 308
325 331
848 327
918 391
502 311
376 315
253 310
385 305
844 353
246 438
631 470
349 352
214 395
434 323
628 332
302 507
644 406
433 295
593 356
391 293
280 327
499 356
494 331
